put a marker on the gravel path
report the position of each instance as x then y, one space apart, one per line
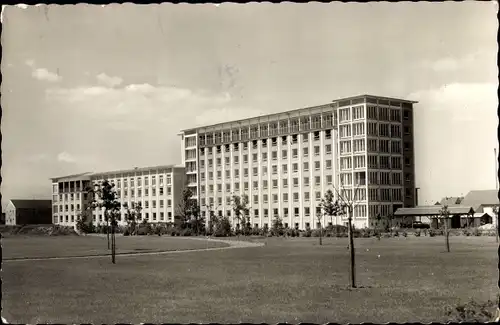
232 244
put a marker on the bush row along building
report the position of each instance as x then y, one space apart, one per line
284 162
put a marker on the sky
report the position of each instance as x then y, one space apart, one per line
96 88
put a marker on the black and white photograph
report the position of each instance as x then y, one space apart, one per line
250 163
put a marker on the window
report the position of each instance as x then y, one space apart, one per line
384 130
395 162
274 169
285 197
255 199
264 170
295 153
295 167
245 172
344 114
295 182
295 212
285 183
306 196
146 204
295 197
359 145
317 180
306 166
228 174
305 137
305 151
245 186
228 187
306 181
307 211
285 212
358 112
359 162
384 146
316 136
358 129
245 159
329 179
275 183
264 184
345 146
236 173
236 159
264 156
255 185
275 198
328 149
318 197
284 168
395 146
256 213
384 162
345 163
274 155
266 213
316 150
328 164
284 154
255 157
317 165
255 171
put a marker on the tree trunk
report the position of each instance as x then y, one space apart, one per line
351 249
320 235
113 243
107 231
447 235
497 227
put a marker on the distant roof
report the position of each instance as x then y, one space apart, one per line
72 176
137 169
432 210
482 197
451 201
298 109
32 204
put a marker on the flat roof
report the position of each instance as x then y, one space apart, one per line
299 109
135 169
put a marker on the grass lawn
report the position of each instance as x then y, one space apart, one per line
60 246
294 280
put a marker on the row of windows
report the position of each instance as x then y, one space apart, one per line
264 130
146 192
285 140
264 170
132 181
255 184
264 156
255 146
358 211
69 197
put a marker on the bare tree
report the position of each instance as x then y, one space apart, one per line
445 213
347 200
241 211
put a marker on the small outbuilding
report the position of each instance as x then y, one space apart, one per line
28 212
459 216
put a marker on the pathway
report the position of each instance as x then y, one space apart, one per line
232 244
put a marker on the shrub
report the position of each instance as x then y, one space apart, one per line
186 232
126 232
476 232
315 233
306 233
466 232
473 312
387 235
417 233
432 233
396 233
425 232
405 234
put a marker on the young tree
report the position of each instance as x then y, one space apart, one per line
132 215
277 226
330 206
445 213
105 197
495 211
84 221
189 211
241 211
319 216
347 203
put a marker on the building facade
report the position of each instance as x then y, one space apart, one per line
28 212
156 189
361 147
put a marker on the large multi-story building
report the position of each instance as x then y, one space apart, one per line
157 189
285 162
